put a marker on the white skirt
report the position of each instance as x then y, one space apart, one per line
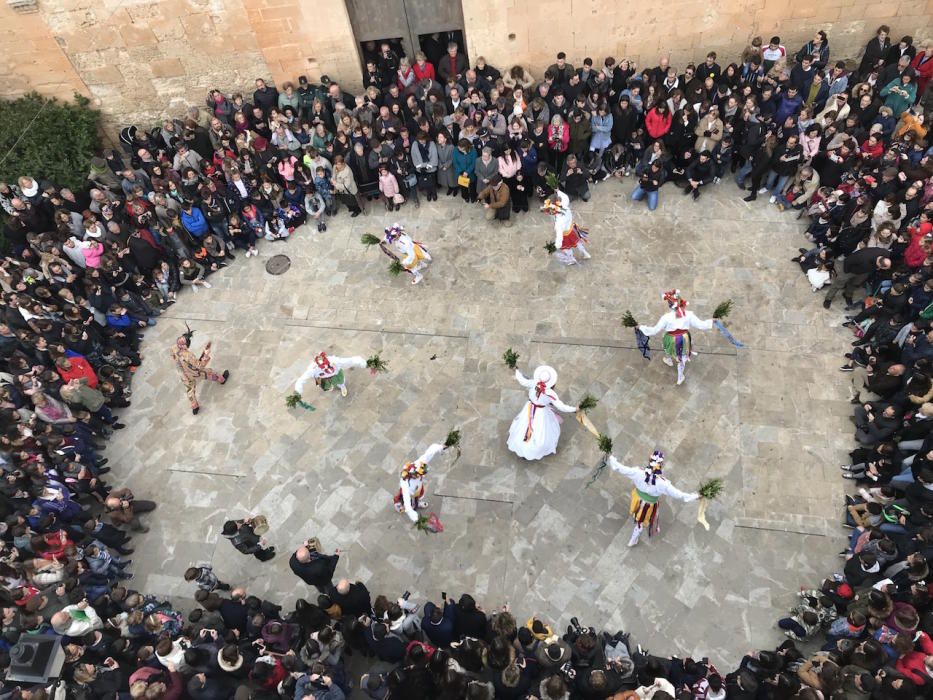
541 440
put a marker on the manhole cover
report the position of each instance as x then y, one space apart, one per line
278 264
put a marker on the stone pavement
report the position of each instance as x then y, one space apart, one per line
770 419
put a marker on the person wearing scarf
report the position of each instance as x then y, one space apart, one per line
649 486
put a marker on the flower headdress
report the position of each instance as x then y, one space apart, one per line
322 361
654 468
393 232
552 206
676 302
414 470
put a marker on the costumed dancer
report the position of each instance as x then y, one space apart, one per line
412 255
193 368
649 485
676 325
410 496
327 372
536 429
567 235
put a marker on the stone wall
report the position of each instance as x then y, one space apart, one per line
30 59
140 60
520 30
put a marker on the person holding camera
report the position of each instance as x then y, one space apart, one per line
317 686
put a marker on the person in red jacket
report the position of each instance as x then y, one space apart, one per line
920 240
76 367
923 67
917 664
423 68
658 121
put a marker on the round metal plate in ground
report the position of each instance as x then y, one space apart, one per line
278 264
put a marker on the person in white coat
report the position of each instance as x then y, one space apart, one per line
413 256
327 372
536 429
649 486
410 496
676 325
567 235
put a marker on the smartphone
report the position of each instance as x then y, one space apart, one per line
444 595
406 595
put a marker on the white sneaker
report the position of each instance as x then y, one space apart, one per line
772 199
194 288
586 256
422 504
206 284
633 540
668 361
716 180
762 190
343 391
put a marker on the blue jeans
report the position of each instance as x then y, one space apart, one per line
639 194
776 183
743 173
220 229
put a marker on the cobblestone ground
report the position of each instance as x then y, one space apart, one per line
770 419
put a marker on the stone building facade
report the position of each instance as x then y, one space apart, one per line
139 60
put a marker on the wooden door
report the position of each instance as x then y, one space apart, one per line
374 20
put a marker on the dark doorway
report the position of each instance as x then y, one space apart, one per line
434 45
410 26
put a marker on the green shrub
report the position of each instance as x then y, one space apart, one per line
57 145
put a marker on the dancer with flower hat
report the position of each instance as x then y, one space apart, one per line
409 498
535 431
327 372
676 325
413 256
649 486
568 236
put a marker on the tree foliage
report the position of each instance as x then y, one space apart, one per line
57 145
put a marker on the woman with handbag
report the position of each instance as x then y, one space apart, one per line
464 165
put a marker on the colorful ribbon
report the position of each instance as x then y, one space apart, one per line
726 334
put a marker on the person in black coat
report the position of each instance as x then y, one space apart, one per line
353 598
469 621
111 536
438 623
245 540
875 51
313 567
597 683
384 644
856 269
699 173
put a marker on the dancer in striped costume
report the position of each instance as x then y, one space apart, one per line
536 429
413 256
649 485
568 236
676 325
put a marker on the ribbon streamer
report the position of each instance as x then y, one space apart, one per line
726 334
584 420
643 343
600 468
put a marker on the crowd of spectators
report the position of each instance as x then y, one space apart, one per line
90 270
